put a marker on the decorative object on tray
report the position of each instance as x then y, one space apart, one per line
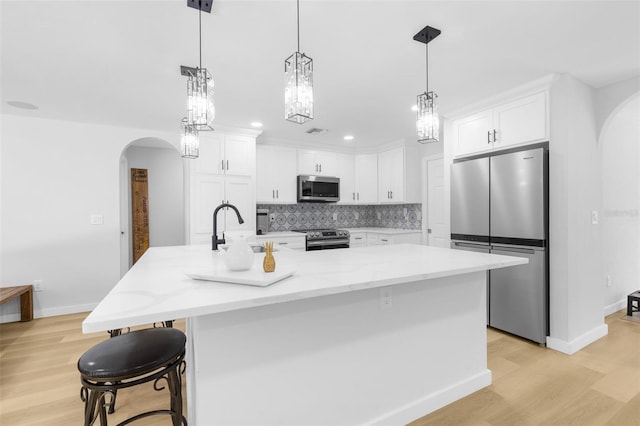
269 263
239 256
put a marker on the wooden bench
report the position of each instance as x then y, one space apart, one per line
26 299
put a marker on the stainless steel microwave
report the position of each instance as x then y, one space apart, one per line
318 188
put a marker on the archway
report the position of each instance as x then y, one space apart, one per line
620 155
166 194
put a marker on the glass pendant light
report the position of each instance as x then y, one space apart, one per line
298 93
200 108
190 141
427 121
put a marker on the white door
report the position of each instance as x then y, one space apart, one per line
266 174
366 178
436 221
472 134
347 175
238 192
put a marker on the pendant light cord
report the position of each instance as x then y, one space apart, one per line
200 30
298 20
427 64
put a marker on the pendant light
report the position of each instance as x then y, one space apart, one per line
298 92
427 122
200 108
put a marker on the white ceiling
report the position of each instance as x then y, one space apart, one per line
118 62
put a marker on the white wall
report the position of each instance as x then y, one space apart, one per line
576 277
166 207
55 175
620 146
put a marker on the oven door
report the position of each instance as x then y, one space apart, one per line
327 244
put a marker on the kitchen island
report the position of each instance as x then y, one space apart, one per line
371 335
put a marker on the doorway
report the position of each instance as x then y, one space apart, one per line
166 189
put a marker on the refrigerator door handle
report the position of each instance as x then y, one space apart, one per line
469 245
514 249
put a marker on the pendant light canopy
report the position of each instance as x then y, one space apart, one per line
298 93
427 121
200 109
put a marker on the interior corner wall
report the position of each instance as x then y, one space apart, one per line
55 175
165 185
577 281
620 145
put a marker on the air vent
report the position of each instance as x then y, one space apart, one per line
315 130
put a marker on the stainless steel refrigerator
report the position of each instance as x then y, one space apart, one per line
499 204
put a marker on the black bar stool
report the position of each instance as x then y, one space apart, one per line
128 360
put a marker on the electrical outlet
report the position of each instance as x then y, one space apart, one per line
386 298
594 217
37 285
608 280
272 217
335 216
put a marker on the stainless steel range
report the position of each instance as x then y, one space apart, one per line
324 239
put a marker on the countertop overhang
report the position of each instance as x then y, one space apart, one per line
156 288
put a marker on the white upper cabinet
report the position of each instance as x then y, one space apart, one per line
521 121
226 154
322 163
347 175
366 174
391 176
275 174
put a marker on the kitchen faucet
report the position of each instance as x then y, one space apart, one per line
214 239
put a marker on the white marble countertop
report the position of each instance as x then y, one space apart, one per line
156 288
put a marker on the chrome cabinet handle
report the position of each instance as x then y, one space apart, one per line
358 196
222 164
489 136
354 196
277 193
283 244
494 135
273 193
227 165
320 168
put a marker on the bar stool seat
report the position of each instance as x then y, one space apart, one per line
128 360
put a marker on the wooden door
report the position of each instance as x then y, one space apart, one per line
139 212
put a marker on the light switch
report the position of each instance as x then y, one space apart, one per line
97 219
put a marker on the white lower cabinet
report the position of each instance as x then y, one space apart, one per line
293 242
372 238
358 239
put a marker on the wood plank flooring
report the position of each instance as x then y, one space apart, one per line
600 385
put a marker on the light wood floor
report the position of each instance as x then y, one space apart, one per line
600 385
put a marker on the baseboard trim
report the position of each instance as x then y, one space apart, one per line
434 401
579 342
615 307
50 312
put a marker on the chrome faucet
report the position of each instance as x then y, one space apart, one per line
214 239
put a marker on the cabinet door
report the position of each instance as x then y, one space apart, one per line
328 162
211 151
207 192
366 178
521 121
391 176
473 133
307 163
347 175
238 192
286 176
266 174
239 155
358 239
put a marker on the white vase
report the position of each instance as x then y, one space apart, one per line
239 256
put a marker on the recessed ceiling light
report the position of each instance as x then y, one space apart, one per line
22 105
256 124
414 108
348 138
